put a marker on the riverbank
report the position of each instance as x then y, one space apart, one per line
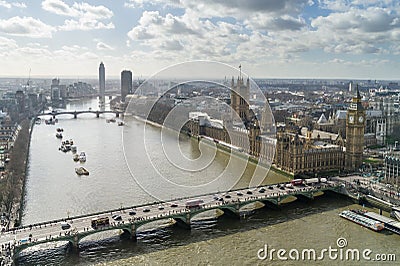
12 186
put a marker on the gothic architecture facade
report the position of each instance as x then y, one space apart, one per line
294 150
355 125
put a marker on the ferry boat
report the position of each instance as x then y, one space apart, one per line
65 147
361 220
81 171
73 148
82 157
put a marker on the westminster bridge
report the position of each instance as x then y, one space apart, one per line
129 219
76 113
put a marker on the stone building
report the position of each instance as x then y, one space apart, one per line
308 154
392 165
296 150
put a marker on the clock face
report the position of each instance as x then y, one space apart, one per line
361 119
351 119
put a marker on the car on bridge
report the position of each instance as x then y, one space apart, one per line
174 205
65 225
262 190
132 213
117 217
239 194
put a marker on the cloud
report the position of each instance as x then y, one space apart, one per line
7 44
60 8
8 5
358 31
134 3
151 24
26 26
103 46
280 23
85 24
345 5
84 16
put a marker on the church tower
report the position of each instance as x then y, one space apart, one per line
355 125
240 93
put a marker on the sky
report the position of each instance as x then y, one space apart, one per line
351 39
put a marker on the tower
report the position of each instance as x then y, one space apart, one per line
240 94
102 82
355 125
126 83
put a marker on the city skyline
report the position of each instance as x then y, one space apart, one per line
270 39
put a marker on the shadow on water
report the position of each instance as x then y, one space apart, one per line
156 239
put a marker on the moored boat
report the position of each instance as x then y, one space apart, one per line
361 220
81 171
73 148
82 157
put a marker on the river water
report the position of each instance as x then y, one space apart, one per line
128 166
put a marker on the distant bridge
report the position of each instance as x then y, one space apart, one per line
131 218
76 113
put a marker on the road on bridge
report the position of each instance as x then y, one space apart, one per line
51 231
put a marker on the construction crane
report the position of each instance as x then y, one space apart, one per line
28 83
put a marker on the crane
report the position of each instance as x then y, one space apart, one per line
28 84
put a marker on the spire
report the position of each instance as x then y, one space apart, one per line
358 93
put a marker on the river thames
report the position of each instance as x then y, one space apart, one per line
120 176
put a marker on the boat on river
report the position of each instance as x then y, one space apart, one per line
362 220
82 157
81 171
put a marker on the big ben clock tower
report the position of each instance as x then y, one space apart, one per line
355 124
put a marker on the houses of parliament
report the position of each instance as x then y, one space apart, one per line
298 151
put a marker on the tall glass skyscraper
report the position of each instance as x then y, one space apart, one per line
126 83
102 82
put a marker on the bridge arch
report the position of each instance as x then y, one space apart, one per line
18 249
125 227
